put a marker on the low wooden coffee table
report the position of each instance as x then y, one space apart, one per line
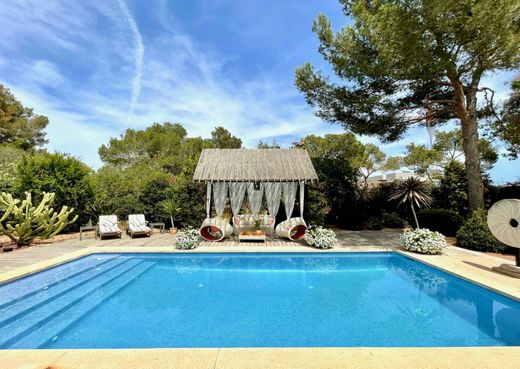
252 236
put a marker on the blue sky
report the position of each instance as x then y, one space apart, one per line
96 68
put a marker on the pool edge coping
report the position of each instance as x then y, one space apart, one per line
272 358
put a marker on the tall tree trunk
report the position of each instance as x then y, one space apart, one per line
472 162
466 107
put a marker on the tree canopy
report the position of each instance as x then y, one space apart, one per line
223 139
446 148
165 145
157 142
366 159
413 62
19 126
374 160
344 146
266 145
508 126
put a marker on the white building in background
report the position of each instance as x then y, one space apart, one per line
375 181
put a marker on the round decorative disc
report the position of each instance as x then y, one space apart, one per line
504 221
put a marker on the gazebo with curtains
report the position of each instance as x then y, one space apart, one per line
277 174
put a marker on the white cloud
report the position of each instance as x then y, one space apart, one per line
138 52
45 73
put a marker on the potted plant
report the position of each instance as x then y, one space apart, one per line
258 224
171 208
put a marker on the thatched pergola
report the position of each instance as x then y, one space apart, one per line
275 173
254 165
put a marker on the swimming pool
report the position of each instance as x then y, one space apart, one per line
251 300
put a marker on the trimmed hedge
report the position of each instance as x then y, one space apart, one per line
393 220
475 234
444 221
354 221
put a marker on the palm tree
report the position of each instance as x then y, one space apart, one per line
414 191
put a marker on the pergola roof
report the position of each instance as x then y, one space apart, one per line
254 165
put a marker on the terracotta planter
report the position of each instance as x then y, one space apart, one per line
173 230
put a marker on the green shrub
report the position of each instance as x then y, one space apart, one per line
444 221
475 234
61 174
339 185
353 220
452 190
316 205
117 191
392 220
192 201
153 193
375 223
10 157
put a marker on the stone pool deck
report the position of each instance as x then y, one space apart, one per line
473 266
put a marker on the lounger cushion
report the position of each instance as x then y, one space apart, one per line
108 224
137 223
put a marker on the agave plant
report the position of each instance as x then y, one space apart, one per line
414 191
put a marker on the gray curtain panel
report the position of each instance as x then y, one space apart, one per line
255 197
273 194
237 191
289 196
220 192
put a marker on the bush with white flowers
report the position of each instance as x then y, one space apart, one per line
423 241
188 238
320 237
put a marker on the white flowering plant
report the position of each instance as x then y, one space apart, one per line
188 238
320 237
423 241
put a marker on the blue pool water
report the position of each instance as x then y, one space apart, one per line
251 300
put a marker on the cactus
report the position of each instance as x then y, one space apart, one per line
22 222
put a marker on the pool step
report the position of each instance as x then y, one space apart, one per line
51 329
11 292
22 306
39 316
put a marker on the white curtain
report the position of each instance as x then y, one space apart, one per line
289 195
220 196
273 194
208 200
255 197
302 195
237 191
